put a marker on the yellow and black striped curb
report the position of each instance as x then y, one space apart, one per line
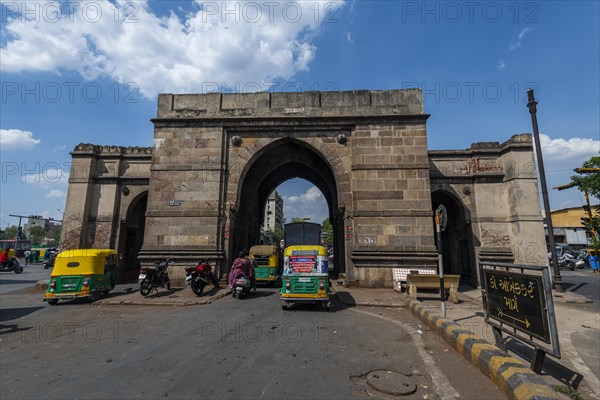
512 376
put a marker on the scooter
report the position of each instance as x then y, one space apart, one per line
242 286
49 263
152 277
200 276
11 265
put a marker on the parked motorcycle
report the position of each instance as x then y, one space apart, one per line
242 286
11 265
566 261
154 277
200 276
582 260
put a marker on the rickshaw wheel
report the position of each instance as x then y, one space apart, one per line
52 302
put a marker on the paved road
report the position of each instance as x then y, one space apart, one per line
9 281
584 282
246 348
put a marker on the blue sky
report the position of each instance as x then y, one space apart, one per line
89 71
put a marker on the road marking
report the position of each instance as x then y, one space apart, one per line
442 386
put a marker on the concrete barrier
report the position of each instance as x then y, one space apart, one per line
512 376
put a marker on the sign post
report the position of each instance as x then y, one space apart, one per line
517 300
440 225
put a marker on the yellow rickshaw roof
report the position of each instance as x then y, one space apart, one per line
263 249
320 250
81 261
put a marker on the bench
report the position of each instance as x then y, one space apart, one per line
432 281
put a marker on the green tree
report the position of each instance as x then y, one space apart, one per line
53 233
327 229
277 234
37 235
588 180
297 219
9 233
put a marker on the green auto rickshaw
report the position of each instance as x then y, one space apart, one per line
82 273
267 263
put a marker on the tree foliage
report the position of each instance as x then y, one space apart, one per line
297 219
277 234
9 233
327 229
590 181
37 235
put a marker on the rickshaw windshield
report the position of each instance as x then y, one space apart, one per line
84 261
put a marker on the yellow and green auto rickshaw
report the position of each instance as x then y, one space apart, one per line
305 267
266 258
82 273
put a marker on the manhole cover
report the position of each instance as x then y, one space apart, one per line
391 382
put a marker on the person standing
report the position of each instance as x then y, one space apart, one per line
27 255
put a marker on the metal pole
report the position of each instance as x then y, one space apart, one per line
558 284
438 235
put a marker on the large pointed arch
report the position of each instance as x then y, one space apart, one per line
274 164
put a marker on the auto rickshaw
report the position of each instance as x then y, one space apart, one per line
266 258
82 273
305 268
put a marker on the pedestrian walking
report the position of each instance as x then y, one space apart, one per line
27 255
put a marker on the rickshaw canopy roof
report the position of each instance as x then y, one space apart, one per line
82 261
263 249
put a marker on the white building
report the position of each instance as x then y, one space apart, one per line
273 212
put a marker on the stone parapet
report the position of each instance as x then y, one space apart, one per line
304 104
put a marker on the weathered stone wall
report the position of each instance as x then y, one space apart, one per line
497 186
216 157
103 181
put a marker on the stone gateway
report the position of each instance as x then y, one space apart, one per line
200 190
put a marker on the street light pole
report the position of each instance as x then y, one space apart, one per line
558 284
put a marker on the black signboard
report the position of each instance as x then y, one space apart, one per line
517 300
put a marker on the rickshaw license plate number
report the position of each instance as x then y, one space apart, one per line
142 276
303 279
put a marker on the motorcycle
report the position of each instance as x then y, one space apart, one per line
154 277
566 261
11 265
49 263
242 286
200 276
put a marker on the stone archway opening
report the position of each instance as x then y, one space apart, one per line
135 223
457 246
283 160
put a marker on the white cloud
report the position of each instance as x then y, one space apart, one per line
349 37
47 177
501 64
225 43
520 37
310 204
55 194
568 151
16 139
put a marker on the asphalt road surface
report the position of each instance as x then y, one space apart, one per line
582 281
233 348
